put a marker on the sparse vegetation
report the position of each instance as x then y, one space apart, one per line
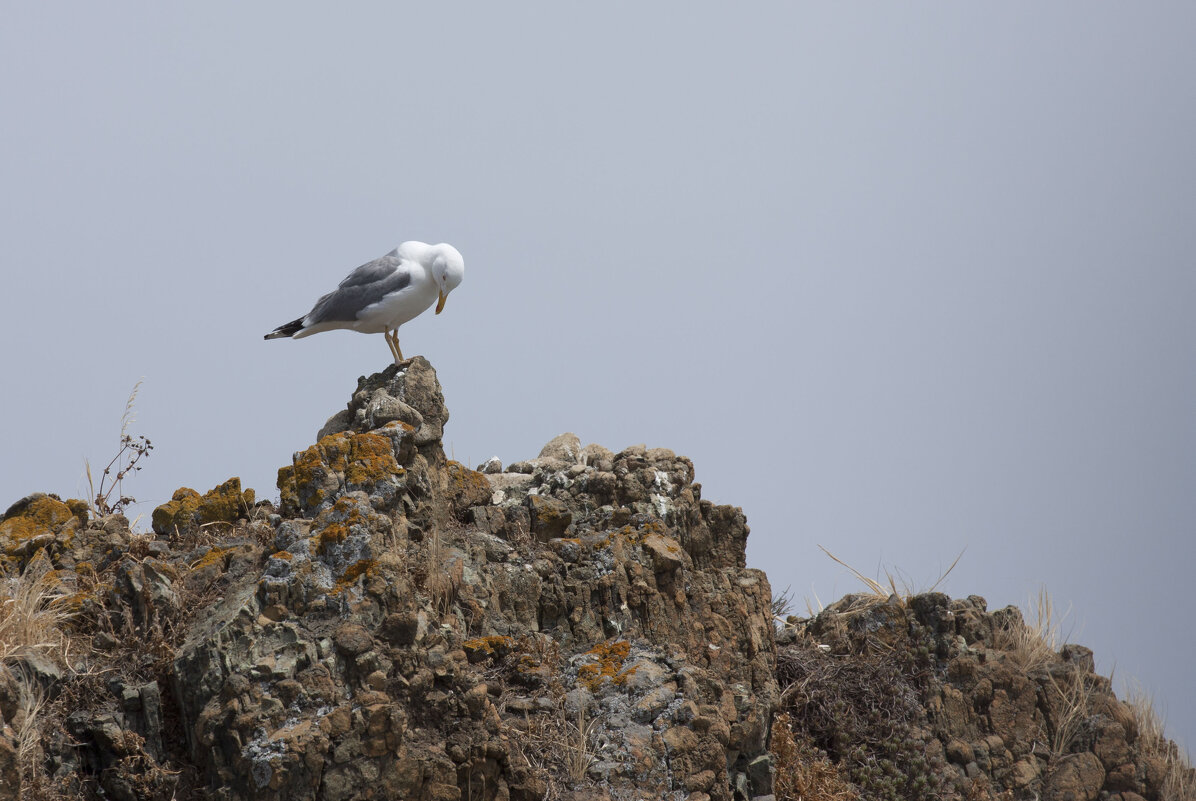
879 593
782 605
132 450
34 613
865 713
803 773
1072 698
1179 783
1035 643
32 625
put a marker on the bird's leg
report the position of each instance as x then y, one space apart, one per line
392 339
390 344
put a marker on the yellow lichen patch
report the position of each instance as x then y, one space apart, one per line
283 555
335 532
42 516
486 647
369 458
467 487
213 556
79 508
630 534
287 495
360 568
608 664
359 459
225 503
178 511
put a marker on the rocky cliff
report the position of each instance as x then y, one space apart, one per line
579 626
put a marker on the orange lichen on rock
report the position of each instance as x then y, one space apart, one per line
212 557
43 515
485 647
467 487
336 531
360 568
226 503
630 534
608 664
352 459
223 504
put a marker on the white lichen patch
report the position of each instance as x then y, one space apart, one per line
662 505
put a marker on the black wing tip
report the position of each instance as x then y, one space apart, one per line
288 330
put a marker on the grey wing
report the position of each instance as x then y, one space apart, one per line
372 271
363 287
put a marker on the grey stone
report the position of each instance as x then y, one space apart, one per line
565 447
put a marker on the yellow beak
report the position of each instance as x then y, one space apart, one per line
440 303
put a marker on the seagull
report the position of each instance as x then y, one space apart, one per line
381 295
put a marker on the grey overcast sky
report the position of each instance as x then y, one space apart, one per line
903 279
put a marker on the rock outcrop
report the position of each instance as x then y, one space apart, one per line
404 627
924 697
581 625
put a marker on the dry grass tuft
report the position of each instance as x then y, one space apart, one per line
34 614
865 713
879 593
803 773
28 729
1033 645
578 754
552 745
1180 781
1073 699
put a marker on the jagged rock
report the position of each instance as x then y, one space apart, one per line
582 626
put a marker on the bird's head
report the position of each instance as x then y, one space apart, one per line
448 268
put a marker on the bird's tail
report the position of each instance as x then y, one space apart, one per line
288 330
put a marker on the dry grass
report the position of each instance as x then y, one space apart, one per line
578 754
1180 781
28 729
552 745
34 614
803 773
32 623
879 593
1073 698
444 578
1034 643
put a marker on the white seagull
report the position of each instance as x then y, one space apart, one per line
381 295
